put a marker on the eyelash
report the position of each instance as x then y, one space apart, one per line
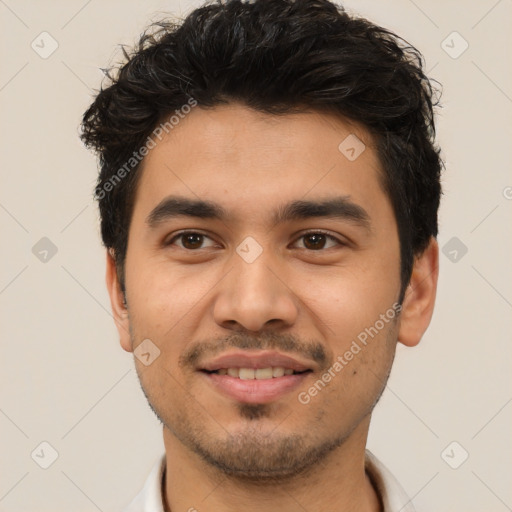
313 232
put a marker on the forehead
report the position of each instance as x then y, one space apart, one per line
246 160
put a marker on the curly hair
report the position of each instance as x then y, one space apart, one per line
277 57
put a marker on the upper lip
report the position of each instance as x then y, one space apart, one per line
251 359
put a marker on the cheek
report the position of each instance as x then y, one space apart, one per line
161 296
347 301
167 306
358 315
349 389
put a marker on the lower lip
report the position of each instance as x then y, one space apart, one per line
254 391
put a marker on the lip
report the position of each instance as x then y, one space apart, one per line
254 391
255 359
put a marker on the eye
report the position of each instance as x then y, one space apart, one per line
317 240
191 240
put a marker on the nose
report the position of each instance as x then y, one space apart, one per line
255 296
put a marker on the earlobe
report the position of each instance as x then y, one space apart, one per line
117 301
418 304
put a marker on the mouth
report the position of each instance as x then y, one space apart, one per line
255 377
271 372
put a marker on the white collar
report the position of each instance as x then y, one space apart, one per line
391 492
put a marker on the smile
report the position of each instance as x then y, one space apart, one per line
256 373
255 377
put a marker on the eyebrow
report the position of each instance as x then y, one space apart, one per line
175 206
335 208
340 207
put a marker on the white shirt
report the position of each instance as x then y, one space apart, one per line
391 492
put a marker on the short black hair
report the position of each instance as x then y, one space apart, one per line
277 57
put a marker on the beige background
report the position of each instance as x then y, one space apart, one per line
64 378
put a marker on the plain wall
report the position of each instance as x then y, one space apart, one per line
64 377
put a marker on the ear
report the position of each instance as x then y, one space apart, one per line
119 309
420 296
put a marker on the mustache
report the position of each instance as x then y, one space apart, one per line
285 343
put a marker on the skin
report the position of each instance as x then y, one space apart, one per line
223 455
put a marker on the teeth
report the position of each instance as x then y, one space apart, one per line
233 372
263 373
278 371
259 373
246 373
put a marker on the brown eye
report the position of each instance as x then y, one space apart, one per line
316 241
190 240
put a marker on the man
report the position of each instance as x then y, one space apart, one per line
268 193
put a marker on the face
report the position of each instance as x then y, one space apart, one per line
264 266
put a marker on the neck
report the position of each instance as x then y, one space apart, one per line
338 483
